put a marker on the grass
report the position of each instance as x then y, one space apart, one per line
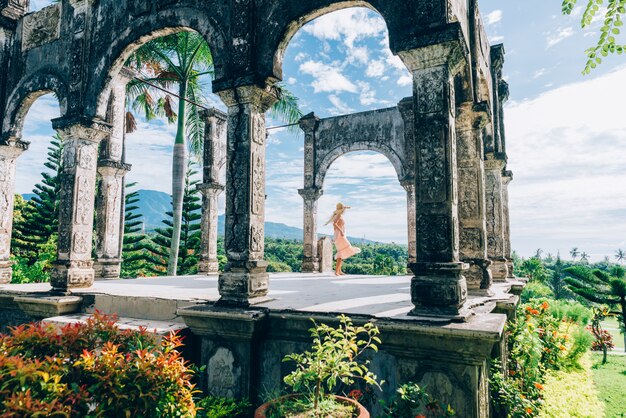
571 393
612 326
610 380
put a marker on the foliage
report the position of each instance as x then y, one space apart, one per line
611 27
570 311
534 290
413 401
378 259
334 358
603 339
571 393
556 280
610 379
533 268
538 342
92 370
211 407
600 287
38 272
134 252
37 221
159 245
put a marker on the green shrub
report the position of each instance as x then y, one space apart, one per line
92 370
535 290
581 343
412 401
278 267
212 407
570 311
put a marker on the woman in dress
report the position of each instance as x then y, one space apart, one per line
344 249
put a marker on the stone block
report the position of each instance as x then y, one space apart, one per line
325 253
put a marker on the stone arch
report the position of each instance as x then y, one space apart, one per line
143 30
26 93
394 158
404 20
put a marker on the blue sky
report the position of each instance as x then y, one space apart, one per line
564 131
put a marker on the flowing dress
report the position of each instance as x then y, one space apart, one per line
344 249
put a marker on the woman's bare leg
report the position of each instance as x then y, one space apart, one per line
338 271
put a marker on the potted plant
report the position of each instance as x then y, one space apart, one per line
335 358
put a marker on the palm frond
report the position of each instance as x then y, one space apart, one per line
286 108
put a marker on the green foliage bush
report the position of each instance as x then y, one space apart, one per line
571 311
413 401
535 290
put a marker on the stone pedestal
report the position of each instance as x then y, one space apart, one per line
109 219
74 265
325 254
245 278
439 287
409 186
494 164
208 263
10 150
470 121
310 261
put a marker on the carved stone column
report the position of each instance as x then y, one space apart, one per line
74 265
310 261
507 177
9 151
110 197
109 219
245 278
439 287
208 263
409 186
494 164
470 122
211 187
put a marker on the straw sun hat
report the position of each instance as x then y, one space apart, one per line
340 208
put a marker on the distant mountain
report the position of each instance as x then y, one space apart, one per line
28 196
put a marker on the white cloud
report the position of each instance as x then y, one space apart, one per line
291 81
376 69
340 107
328 78
496 39
493 17
348 25
358 55
568 186
405 80
558 36
367 96
539 73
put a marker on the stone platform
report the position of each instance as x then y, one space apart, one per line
242 349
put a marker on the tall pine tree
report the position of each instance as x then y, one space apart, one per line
39 219
189 252
135 255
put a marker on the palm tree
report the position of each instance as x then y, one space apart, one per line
600 287
538 253
182 60
620 255
574 253
584 257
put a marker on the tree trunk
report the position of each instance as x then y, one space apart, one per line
623 303
179 168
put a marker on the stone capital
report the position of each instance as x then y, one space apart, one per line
503 91
113 168
207 188
213 113
13 150
482 115
311 194
495 161
93 130
13 9
406 108
408 185
507 177
451 54
497 57
261 98
126 75
309 123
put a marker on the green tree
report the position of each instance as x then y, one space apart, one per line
611 27
600 287
534 269
584 257
189 251
620 255
39 218
557 283
574 253
182 60
135 255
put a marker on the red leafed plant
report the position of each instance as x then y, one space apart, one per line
92 370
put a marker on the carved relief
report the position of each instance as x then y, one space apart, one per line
256 238
84 201
471 242
434 236
431 91
87 157
258 186
469 207
82 241
431 154
41 28
221 373
5 244
258 128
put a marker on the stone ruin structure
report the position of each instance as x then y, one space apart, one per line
446 143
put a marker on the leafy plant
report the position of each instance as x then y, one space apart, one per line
413 401
216 407
333 359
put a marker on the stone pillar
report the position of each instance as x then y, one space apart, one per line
245 279
211 187
439 287
110 197
310 261
507 177
208 263
409 186
494 164
470 122
109 219
325 254
9 151
74 265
